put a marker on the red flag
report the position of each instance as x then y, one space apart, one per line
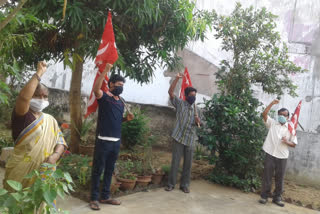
107 53
186 82
293 124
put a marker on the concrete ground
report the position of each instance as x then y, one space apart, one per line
204 198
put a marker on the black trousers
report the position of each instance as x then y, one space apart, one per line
277 167
105 157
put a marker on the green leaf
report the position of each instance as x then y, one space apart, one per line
68 177
15 185
16 196
60 192
65 188
58 174
49 195
3 192
70 187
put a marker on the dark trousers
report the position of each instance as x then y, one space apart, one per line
178 150
277 167
105 157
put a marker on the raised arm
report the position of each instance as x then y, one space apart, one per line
25 95
173 85
97 86
266 111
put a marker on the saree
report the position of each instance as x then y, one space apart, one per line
32 147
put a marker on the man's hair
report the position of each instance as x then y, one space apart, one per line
188 90
116 78
284 109
41 86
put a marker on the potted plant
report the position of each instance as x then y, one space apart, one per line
166 170
145 165
144 174
126 176
157 176
85 147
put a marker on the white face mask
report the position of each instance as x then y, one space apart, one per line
37 105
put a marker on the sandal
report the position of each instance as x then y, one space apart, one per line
110 201
185 189
169 188
94 205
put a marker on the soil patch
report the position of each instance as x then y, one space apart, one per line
302 195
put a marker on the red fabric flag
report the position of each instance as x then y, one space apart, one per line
107 53
293 124
186 82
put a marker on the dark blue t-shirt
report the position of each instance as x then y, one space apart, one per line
109 116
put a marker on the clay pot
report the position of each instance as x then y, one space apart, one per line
127 184
86 150
113 179
157 178
114 187
143 181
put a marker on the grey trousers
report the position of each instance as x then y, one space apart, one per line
178 150
277 167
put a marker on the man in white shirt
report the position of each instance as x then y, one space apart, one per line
276 146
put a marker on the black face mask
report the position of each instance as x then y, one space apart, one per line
190 99
117 90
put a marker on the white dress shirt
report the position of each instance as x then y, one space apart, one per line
273 144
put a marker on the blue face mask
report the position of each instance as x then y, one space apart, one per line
190 99
282 119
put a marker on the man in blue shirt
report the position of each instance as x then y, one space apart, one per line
110 118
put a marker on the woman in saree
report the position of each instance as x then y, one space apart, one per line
37 136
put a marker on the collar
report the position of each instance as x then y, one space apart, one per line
188 104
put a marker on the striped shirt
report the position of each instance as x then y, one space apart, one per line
184 131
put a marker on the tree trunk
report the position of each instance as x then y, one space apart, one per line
75 105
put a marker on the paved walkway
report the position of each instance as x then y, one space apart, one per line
205 198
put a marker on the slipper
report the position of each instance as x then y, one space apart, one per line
169 188
185 189
110 201
94 205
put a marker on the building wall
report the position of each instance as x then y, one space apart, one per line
304 161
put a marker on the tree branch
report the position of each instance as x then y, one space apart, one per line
12 14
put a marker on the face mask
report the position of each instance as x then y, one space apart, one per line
117 90
37 105
282 119
190 99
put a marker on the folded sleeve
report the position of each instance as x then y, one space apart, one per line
269 122
176 101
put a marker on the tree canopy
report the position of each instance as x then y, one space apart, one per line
147 31
259 55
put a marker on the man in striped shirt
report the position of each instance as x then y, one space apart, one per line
184 135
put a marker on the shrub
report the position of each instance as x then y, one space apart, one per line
234 133
135 131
